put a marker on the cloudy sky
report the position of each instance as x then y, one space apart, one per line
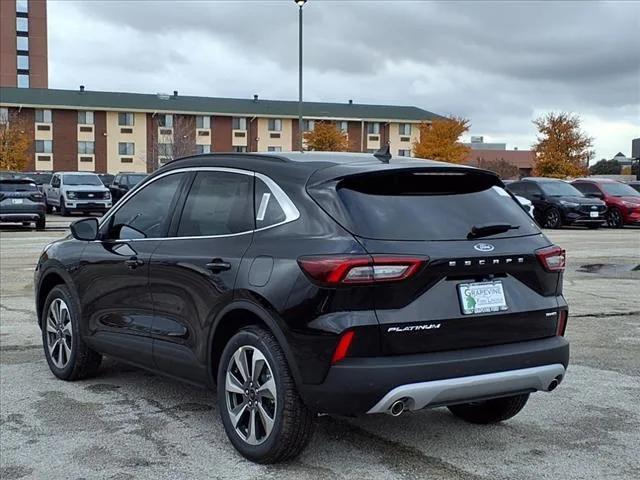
500 64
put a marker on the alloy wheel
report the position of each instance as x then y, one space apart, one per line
614 218
59 333
552 219
251 395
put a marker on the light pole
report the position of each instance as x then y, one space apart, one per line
300 4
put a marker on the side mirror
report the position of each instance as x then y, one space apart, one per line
595 195
85 229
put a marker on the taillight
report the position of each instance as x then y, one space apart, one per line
36 197
552 258
562 323
343 346
359 269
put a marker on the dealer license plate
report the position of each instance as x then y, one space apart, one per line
594 214
481 297
16 201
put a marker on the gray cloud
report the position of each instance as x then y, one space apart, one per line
498 63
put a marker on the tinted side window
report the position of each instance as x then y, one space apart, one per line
586 188
148 212
219 203
56 181
516 188
268 210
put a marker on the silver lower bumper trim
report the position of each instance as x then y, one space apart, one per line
417 396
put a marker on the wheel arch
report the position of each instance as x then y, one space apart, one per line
50 279
232 318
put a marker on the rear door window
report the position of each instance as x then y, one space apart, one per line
219 203
427 206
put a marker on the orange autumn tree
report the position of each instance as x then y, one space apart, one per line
14 143
440 140
562 148
326 137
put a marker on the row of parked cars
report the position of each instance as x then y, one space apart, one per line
27 197
590 202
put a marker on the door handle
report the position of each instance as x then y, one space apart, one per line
133 263
218 265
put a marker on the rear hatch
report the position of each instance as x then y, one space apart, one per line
481 282
15 193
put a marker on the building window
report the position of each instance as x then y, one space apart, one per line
165 120
308 125
23 62
22 6
22 24
4 115
274 149
85 118
240 149
43 116
404 153
404 128
239 123
203 121
165 149
86 148
203 149
44 146
275 125
23 80
126 148
343 126
22 44
373 128
125 118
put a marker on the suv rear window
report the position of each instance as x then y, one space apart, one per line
427 206
17 186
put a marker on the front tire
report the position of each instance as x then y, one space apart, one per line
69 358
262 412
552 218
63 208
490 411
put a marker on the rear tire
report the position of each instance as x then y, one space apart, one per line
490 411
552 218
41 223
275 425
67 354
614 218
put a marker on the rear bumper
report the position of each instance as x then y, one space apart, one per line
22 213
366 385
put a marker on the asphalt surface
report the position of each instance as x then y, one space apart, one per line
130 424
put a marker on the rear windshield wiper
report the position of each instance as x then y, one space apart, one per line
478 231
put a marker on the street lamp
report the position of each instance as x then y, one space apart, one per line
300 4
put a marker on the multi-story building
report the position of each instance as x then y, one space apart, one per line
23 43
111 132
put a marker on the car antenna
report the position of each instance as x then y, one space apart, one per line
384 154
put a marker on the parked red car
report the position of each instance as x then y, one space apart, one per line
623 201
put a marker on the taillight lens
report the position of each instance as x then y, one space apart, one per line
343 346
36 197
552 258
562 323
359 269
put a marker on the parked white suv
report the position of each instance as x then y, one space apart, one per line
79 191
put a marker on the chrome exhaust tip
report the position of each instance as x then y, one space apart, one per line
397 408
552 386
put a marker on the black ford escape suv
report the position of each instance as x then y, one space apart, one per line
557 203
309 283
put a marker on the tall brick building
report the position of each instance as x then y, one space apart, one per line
23 44
112 132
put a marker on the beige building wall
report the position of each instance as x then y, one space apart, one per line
138 137
280 139
396 140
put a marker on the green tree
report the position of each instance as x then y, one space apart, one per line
605 167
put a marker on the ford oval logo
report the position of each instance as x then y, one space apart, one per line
484 247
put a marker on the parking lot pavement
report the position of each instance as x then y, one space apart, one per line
127 423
